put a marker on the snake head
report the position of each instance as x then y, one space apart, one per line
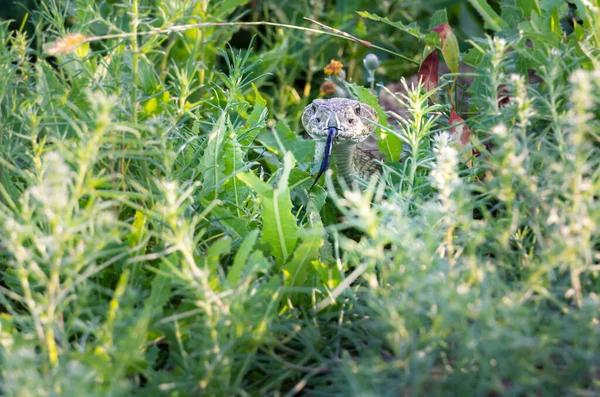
353 120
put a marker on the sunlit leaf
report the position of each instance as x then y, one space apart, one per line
389 144
280 230
450 49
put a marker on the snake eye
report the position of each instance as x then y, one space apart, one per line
357 109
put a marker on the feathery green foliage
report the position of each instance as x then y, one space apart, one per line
157 237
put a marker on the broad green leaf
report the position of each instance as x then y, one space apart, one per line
318 194
259 186
241 257
212 165
256 122
439 17
296 271
388 144
450 49
281 139
491 18
280 230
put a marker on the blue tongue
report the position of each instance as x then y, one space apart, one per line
326 156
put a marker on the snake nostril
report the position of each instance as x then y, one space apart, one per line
351 121
318 120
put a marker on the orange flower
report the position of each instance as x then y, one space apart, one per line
328 88
334 67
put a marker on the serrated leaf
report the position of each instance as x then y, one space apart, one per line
390 145
491 18
412 29
280 230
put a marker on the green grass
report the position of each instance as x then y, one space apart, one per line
157 238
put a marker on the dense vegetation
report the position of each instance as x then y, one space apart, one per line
156 235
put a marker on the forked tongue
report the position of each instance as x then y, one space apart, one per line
327 155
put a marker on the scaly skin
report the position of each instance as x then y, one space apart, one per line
351 118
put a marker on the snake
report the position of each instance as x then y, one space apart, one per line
338 126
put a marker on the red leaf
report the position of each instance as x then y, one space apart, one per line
449 46
443 30
428 72
462 130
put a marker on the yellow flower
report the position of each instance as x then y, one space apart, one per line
334 67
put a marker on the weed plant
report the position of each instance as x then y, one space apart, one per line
157 238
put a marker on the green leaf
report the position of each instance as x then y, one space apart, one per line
329 275
211 260
528 6
259 186
226 7
281 139
212 165
280 230
473 57
138 229
241 258
491 18
296 271
450 49
160 291
439 17
218 248
390 145
236 224
233 190
256 122
412 29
